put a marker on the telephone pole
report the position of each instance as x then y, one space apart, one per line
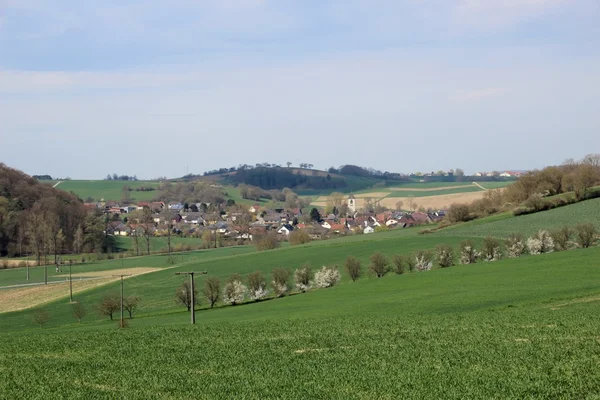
70 281
122 318
192 300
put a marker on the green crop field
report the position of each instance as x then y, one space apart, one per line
503 226
107 190
429 192
518 328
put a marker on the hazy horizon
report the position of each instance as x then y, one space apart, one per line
161 89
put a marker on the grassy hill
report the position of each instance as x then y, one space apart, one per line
107 190
447 333
505 224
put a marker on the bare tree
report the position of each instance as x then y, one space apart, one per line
78 240
183 295
212 290
130 304
79 311
379 264
41 317
586 234
109 305
353 267
399 205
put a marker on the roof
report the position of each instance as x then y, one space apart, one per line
351 197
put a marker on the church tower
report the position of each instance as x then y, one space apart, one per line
351 204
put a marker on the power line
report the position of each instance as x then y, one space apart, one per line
193 304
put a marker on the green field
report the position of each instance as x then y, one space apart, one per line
427 193
504 225
519 328
107 190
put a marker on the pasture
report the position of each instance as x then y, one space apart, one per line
107 190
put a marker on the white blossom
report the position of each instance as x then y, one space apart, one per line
493 254
540 243
469 255
327 277
279 288
422 263
234 292
259 293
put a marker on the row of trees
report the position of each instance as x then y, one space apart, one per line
116 177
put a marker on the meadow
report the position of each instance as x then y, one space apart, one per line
107 190
515 328
503 225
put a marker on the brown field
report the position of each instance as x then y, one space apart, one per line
111 272
31 296
431 189
434 202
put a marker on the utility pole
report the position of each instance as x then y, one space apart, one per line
192 300
45 272
122 318
70 281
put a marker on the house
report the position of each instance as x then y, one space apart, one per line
156 206
421 217
254 208
175 206
315 232
368 230
337 228
326 224
219 227
193 218
285 229
392 222
406 221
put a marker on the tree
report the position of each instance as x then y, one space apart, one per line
315 215
586 235
109 305
584 178
280 278
468 253
257 285
327 277
423 260
78 240
130 304
183 295
561 238
399 262
303 278
234 291
379 264
353 268
125 195
79 311
445 256
459 172
268 242
299 236
399 205
458 213
289 164
491 249
41 317
212 290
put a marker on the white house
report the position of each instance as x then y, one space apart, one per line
351 204
285 229
391 222
368 230
326 225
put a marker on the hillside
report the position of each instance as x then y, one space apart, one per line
504 225
103 190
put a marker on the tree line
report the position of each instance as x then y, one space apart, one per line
46 222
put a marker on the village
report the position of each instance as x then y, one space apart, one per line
243 223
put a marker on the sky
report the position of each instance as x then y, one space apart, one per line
163 88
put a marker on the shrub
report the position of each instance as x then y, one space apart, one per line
41 317
109 305
353 267
536 203
299 236
445 256
540 243
458 213
491 249
234 291
399 263
586 235
212 290
22 264
423 260
468 253
79 311
280 280
4 264
561 238
515 247
411 263
327 277
379 264
257 285
303 278
268 242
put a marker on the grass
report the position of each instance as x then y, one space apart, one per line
519 328
443 334
107 190
427 193
504 224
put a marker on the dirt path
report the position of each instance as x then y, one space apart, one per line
479 186
30 296
57 183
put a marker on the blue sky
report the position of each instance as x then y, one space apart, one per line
153 88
